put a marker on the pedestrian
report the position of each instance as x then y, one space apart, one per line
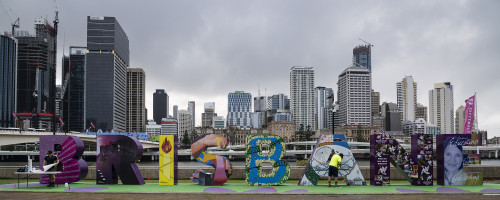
51 159
333 168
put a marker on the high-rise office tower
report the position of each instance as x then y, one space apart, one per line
36 68
441 110
323 107
74 70
239 105
354 96
375 103
392 117
106 79
8 68
175 108
208 115
136 100
160 105
185 124
192 109
421 112
362 56
460 120
278 102
407 98
302 96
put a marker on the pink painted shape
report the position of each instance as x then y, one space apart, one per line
220 173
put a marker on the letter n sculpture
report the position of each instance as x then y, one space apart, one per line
270 149
116 156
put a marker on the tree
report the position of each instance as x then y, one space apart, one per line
359 134
230 133
185 139
300 134
308 134
193 135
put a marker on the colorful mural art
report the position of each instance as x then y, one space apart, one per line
270 149
168 160
317 166
416 167
69 150
450 159
116 156
223 168
138 136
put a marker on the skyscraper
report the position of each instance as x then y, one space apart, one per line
460 120
175 108
375 103
407 98
239 105
106 80
323 107
36 68
136 100
354 96
362 56
208 115
259 104
392 117
441 110
192 109
8 68
302 96
185 125
160 105
74 70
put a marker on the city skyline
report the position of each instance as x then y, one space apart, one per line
234 46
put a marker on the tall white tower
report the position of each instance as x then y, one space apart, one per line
441 112
407 98
302 96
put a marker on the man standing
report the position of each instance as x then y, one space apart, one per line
333 169
51 159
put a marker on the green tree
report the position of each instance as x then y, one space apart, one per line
308 134
185 139
359 134
193 135
299 135
231 133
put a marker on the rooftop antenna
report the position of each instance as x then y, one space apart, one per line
258 88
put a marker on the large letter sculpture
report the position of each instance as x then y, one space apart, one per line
74 168
416 167
221 164
168 160
450 159
317 166
255 157
116 156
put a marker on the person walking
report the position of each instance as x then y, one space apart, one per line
51 159
333 168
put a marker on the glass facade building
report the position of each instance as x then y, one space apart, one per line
8 67
160 106
106 80
74 70
239 106
362 56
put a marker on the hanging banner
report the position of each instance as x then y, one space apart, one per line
469 114
168 160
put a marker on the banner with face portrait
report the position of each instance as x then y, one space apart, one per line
451 159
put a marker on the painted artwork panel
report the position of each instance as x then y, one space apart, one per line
256 156
168 160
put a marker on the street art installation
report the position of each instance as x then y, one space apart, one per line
116 156
270 149
416 167
223 168
451 159
168 160
69 150
317 166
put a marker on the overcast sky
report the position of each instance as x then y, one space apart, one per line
202 50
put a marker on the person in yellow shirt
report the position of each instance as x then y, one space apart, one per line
333 169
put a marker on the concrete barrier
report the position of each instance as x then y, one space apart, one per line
490 172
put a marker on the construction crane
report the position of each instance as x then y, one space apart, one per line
369 44
14 24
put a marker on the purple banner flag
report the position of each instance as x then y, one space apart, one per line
469 114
